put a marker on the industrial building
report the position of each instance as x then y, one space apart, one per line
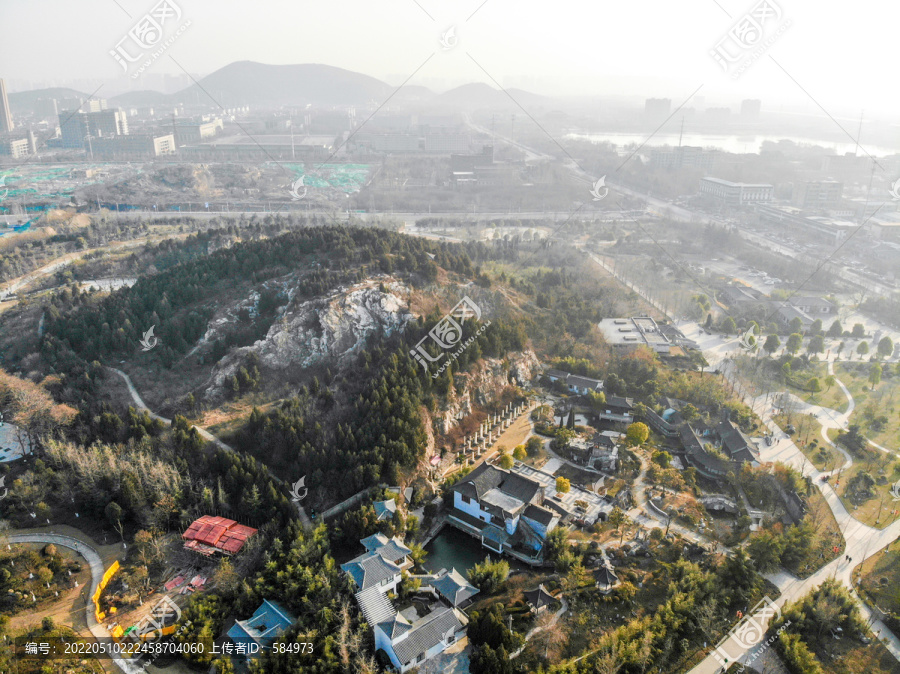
627 334
190 131
833 230
683 156
6 123
75 127
727 193
817 195
138 146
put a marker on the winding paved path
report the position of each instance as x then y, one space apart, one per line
539 628
139 402
205 434
862 541
96 565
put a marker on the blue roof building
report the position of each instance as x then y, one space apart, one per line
384 510
267 624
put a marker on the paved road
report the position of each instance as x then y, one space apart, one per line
139 402
96 565
12 286
540 628
862 541
205 434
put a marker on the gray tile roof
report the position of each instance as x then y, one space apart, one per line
385 509
605 576
426 633
392 550
538 514
370 569
617 403
454 587
699 457
539 597
584 382
486 477
395 627
374 541
736 443
603 441
375 606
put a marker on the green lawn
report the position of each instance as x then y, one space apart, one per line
827 536
881 577
878 509
809 439
883 401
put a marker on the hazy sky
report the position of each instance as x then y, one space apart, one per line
842 54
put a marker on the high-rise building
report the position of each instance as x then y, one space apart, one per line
45 108
750 108
657 107
94 105
727 193
15 148
108 123
75 126
817 195
6 123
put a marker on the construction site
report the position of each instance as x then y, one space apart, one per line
176 186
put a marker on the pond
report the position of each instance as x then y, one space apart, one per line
451 548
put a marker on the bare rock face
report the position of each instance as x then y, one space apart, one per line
335 327
485 383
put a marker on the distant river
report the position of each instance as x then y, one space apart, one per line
728 143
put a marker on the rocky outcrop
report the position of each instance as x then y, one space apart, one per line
330 328
336 328
484 384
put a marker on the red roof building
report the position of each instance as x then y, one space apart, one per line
208 535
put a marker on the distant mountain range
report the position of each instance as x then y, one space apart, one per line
23 101
261 85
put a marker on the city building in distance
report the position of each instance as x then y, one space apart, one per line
727 193
627 334
6 123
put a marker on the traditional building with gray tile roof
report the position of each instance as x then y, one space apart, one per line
384 510
372 570
539 599
453 587
492 501
408 645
